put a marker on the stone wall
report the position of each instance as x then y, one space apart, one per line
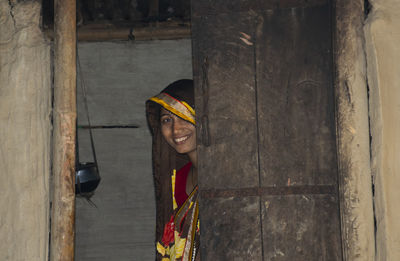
25 107
382 31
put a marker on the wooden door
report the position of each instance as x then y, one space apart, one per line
266 130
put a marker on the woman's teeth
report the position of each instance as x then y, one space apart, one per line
181 139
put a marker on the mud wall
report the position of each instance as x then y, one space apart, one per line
25 106
382 36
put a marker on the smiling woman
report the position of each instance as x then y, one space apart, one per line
179 134
171 117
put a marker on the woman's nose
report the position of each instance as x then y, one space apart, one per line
177 125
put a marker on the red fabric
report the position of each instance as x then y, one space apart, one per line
180 184
169 229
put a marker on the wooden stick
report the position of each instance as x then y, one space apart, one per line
64 120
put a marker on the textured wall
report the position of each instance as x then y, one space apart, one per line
382 32
119 77
24 133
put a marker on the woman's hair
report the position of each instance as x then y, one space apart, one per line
181 90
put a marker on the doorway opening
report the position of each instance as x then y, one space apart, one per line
128 51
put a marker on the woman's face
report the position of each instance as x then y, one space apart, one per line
178 133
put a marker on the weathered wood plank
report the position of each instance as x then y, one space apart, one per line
295 97
227 146
233 229
225 97
297 133
301 227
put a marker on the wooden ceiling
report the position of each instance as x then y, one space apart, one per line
123 12
101 20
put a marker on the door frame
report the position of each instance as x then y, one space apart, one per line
352 132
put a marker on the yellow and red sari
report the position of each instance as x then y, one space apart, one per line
180 240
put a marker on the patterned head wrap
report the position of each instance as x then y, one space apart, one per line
178 98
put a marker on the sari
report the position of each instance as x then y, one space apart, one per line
177 227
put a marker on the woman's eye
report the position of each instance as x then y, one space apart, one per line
165 120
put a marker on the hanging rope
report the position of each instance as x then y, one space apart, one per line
83 87
89 168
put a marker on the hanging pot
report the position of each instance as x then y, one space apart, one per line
87 178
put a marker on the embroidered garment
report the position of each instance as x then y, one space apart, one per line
180 239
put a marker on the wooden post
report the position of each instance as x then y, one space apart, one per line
64 120
353 149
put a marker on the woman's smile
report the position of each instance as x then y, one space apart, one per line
181 140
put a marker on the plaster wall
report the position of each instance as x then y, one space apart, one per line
119 78
25 106
382 31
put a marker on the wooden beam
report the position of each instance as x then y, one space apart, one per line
159 31
144 33
353 151
64 120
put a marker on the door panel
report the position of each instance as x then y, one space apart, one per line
266 130
295 97
300 227
225 99
235 233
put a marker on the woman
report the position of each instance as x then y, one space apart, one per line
171 117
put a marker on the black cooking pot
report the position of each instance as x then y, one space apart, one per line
87 178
